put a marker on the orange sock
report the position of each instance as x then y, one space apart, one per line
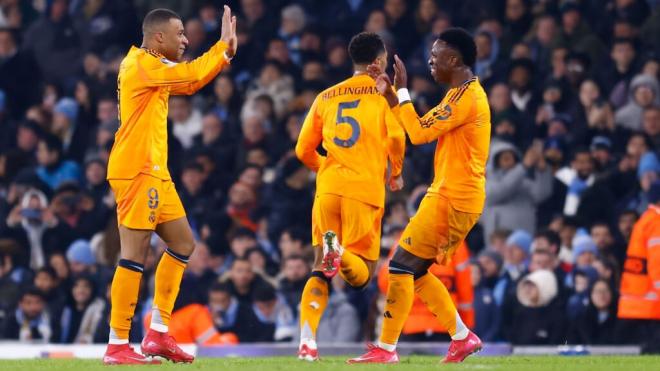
353 269
436 297
123 297
312 304
168 279
400 295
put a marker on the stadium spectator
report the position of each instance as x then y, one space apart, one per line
517 253
30 322
643 93
230 315
514 187
82 315
340 321
53 169
490 265
597 324
294 276
55 43
581 284
538 316
577 178
242 281
290 198
17 69
51 288
187 120
275 319
486 312
291 242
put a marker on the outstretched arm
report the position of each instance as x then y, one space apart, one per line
188 77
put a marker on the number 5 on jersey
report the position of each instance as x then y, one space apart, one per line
345 119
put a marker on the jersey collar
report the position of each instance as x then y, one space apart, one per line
152 52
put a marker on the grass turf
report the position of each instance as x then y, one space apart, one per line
510 363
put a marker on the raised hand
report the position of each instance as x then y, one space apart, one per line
400 74
383 83
228 31
396 183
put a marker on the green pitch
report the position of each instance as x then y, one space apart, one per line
512 363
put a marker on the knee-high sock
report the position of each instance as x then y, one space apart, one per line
168 279
400 295
436 297
312 304
353 269
123 297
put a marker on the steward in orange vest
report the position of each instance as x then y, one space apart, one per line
639 303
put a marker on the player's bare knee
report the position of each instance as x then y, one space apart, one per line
183 247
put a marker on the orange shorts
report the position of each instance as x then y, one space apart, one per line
356 223
437 229
146 201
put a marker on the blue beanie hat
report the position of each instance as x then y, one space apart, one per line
583 244
68 107
520 238
648 162
80 251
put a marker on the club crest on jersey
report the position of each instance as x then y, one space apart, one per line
152 217
442 113
438 113
152 193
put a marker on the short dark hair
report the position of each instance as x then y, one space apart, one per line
629 212
623 40
240 259
295 257
157 17
241 233
32 291
264 292
297 234
461 41
52 142
47 270
551 236
601 223
220 287
579 151
193 165
365 47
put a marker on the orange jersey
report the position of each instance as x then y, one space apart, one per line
461 125
640 281
359 133
145 82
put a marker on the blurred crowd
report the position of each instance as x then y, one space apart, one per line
573 89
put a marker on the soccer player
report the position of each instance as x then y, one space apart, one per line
360 133
137 171
461 126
